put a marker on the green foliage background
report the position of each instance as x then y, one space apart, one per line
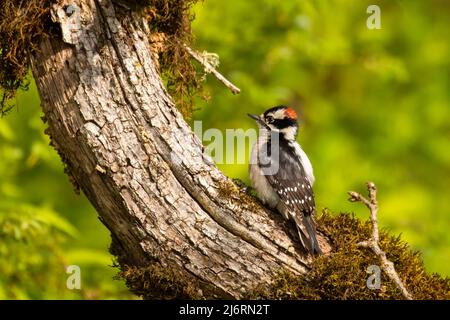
373 104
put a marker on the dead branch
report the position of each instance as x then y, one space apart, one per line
373 242
209 68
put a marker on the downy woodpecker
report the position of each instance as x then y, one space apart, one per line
281 172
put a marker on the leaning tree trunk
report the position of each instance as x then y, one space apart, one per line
136 159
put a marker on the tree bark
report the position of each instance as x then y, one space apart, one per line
129 149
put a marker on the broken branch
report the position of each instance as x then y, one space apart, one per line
373 242
209 68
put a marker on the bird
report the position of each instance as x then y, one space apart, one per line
282 174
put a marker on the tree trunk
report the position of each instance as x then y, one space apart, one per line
136 159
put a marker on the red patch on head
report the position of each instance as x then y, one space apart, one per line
290 113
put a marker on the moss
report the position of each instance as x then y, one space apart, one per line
239 193
247 189
23 24
170 21
157 282
338 275
148 278
342 274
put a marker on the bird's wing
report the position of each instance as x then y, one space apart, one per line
287 177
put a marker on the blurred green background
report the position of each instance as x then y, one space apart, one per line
373 105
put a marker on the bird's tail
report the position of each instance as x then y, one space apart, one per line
307 233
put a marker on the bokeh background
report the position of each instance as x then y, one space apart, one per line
373 104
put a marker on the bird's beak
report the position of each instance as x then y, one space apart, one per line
258 120
254 116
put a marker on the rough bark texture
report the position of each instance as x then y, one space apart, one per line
136 159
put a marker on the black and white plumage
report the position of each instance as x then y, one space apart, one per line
282 174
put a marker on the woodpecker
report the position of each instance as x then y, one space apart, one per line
282 174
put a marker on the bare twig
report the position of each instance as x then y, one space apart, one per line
373 242
209 68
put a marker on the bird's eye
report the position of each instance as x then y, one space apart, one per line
269 119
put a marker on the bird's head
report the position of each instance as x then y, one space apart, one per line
281 118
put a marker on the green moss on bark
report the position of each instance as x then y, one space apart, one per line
342 274
157 282
339 275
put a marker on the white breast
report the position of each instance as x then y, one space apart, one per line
305 163
258 179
